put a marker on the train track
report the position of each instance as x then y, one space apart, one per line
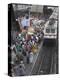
46 64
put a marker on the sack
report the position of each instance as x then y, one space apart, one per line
31 30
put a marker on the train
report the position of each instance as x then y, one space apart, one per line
50 30
51 27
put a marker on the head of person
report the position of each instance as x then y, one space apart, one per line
27 16
20 66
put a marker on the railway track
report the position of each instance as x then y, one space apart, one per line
46 64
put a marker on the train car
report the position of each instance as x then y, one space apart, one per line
50 32
50 29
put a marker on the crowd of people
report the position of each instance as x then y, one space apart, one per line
26 43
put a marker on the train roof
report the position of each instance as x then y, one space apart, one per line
53 19
53 25
55 14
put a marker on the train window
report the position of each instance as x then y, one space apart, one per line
52 30
48 30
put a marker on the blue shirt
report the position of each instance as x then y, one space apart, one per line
25 22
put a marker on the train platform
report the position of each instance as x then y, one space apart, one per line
31 67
